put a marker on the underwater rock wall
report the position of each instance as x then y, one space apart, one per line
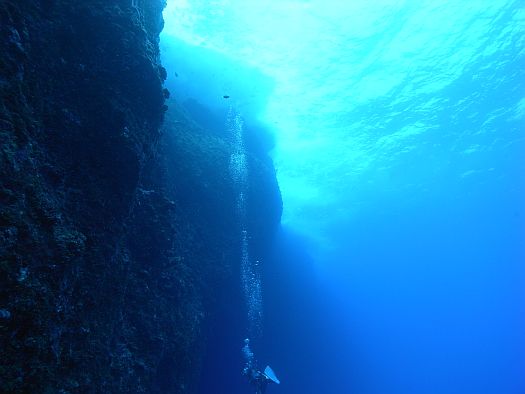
117 240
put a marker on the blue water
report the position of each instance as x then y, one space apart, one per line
400 153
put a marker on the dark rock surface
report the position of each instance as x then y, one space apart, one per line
116 240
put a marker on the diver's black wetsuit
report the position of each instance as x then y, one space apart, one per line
258 380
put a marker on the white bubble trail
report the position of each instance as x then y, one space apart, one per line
250 277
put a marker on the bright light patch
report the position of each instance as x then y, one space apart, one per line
359 88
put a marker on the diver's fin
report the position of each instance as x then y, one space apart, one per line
268 372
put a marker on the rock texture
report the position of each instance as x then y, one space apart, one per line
115 237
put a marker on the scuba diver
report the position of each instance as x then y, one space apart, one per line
259 380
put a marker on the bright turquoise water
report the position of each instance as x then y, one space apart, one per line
400 145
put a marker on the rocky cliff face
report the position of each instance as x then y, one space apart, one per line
115 237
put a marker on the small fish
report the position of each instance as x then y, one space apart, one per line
226 96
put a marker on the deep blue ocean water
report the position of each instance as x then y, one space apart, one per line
399 133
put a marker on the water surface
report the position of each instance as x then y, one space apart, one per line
400 139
